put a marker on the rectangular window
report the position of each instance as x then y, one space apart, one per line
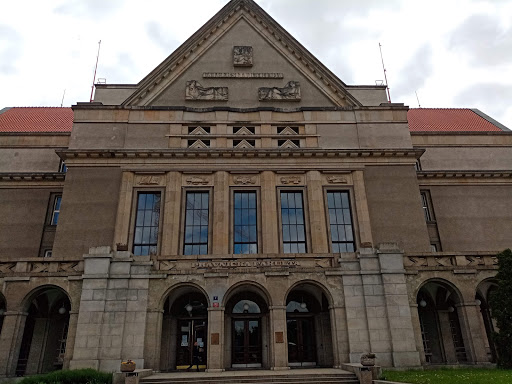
292 216
147 221
196 223
340 221
426 206
56 210
245 231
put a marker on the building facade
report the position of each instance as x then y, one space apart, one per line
242 207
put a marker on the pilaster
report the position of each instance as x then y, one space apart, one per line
215 339
278 338
317 222
10 341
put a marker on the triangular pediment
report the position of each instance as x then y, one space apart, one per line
243 131
241 58
199 131
244 145
288 144
198 144
288 131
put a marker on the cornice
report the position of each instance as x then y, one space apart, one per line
233 153
32 176
464 174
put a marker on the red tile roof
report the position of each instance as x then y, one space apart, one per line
36 119
448 120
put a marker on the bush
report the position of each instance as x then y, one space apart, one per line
501 309
80 376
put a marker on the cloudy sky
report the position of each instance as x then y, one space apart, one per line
454 53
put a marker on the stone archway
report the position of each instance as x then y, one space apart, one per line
439 312
308 322
482 295
247 328
43 345
184 330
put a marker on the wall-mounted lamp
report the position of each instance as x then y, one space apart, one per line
423 303
478 302
451 309
246 307
62 310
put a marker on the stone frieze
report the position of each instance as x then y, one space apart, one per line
290 92
195 91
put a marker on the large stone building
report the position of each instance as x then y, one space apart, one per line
244 199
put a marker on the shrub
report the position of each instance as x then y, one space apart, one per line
501 309
80 376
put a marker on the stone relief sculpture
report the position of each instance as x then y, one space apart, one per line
244 180
242 56
290 91
336 180
195 91
197 180
291 180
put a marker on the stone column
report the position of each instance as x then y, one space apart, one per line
403 344
215 346
317 222
112 315
474 337
446 337
269 215
10 341
70 341
278 338
221 214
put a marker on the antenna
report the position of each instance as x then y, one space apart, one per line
62 102
417 98
384 68
95 68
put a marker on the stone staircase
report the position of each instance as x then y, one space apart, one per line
255 377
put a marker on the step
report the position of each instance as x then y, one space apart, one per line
344 378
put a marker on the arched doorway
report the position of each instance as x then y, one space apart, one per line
43 345
185 330
247 329
438 310
3 309
308 327
482 300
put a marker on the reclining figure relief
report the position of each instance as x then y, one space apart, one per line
290 91
195 91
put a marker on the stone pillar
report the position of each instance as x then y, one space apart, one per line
357 323
278 338
112 315
403 344
37 346
416 326
269 215
70 341
474 336
446 337
154 336
340 341
10 342
220 214
215 342
317 222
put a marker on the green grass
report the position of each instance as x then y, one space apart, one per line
79 376
451 376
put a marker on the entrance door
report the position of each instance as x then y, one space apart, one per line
301 341
247 351
189 333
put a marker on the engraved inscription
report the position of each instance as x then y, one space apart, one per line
242 56
245 264
336 180
196 180
244 180
291 180
195 91
290 91
242 75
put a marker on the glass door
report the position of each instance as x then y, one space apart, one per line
191 344
247 351
301 341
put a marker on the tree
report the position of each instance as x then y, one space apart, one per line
501 309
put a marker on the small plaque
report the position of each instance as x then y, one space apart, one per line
215 305
242 56
215 339
215 298
279 337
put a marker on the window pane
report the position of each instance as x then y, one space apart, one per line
147 222
292 217
196 223
245 223
57 202
340 220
